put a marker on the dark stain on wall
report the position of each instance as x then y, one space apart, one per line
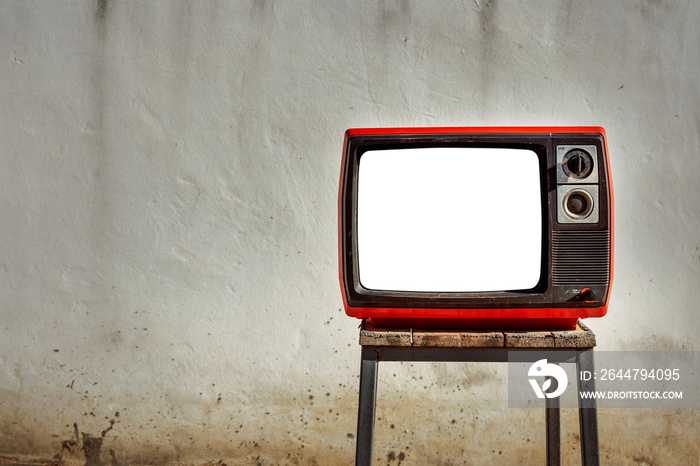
395 16
91 447
101 11
410 431
392 456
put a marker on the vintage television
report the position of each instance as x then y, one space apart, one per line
495 227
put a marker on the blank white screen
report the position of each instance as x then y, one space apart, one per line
449 219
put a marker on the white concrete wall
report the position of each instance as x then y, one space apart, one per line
168 178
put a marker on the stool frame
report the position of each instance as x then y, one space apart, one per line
582 357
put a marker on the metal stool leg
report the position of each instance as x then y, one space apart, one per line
553 432
366 410
587 414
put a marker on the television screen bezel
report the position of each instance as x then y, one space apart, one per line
435 299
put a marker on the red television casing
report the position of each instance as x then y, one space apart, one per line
577 258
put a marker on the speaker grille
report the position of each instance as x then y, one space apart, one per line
580 257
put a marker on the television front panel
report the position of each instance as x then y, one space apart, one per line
475 227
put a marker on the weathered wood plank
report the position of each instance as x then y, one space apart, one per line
458 338
370 336
581 337
528 339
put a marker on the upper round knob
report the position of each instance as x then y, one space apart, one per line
577 163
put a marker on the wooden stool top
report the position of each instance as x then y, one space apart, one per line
581 337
